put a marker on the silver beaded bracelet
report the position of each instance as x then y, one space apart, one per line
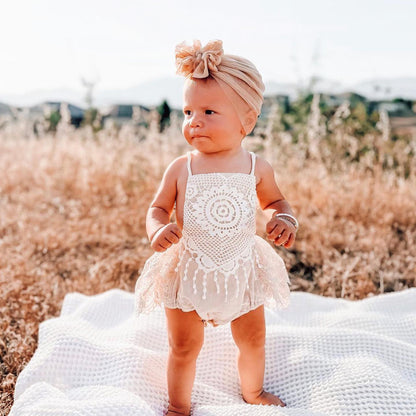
291 218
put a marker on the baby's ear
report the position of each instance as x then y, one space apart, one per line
250 120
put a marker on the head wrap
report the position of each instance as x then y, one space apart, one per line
237 76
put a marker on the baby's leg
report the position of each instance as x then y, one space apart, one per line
249 333
186 337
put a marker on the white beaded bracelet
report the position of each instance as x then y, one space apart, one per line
291 218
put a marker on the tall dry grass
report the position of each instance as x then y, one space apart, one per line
73 206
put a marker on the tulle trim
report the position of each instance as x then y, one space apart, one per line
159 282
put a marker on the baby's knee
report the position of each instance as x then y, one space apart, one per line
184 349
252 341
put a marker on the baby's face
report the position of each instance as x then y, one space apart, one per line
211 123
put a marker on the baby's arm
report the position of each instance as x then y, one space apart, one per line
279 230
162 234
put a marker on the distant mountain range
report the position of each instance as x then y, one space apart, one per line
154 92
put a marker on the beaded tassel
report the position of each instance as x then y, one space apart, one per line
185 274
246 276
226 288
258 261
204 283
194 282
216 281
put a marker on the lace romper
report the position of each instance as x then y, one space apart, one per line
220 268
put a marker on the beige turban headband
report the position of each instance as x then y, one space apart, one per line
238 77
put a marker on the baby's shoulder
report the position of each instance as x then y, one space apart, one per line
263 168
261 163
177 167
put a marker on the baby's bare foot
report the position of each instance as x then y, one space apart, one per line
266 398
171 412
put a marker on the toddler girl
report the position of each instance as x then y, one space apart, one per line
211 267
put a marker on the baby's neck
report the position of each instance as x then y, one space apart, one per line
221 161
225 155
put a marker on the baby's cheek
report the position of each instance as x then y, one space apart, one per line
185 129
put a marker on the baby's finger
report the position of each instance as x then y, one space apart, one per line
282 238
289 242
159 248
177 231
270 226
278 230
172 237
166 242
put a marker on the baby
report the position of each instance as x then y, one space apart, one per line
211 267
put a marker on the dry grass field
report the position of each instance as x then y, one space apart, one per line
73 207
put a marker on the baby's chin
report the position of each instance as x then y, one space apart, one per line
201 138
203 144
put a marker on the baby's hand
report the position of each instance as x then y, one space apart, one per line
281 232
165 237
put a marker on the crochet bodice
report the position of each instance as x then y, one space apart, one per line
219 225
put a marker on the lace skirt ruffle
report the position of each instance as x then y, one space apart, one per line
268 283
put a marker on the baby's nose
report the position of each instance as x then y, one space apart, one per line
195 121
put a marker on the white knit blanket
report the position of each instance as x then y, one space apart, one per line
324 356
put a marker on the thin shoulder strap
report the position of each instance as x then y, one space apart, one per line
253 162
189 163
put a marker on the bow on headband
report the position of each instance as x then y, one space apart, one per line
196 61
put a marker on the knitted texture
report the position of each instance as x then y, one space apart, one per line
220 267
324 357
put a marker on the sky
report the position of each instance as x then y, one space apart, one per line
123 43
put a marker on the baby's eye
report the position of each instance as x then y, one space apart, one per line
187 112
209 111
